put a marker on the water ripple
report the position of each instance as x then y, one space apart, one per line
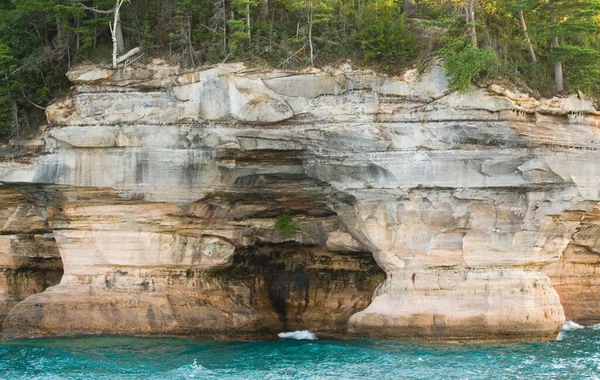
577 356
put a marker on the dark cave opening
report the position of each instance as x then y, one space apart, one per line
298 287
31 264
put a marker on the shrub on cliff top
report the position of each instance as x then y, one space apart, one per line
466 63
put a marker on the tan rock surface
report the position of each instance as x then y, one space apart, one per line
29 257
575 275
418 212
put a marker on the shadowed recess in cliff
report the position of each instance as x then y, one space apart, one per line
29 257
266 196
28 276
266 184
574 276
307 286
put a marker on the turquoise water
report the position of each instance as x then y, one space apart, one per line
576 356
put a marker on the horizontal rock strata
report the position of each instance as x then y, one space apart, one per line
416 212
575 274
29 257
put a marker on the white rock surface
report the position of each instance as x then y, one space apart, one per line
461 199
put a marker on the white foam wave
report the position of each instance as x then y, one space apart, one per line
570 325
188 371
595 327
298 335
559 365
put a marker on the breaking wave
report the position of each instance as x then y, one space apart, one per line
298 335
570 325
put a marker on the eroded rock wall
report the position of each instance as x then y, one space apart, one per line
419 213
576 275
29 257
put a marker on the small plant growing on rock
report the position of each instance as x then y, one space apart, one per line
285 224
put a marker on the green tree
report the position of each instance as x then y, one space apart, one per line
574 32
384 40
7 102
465 63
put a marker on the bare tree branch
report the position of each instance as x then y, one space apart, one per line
129 54
32 103
293 55
96 10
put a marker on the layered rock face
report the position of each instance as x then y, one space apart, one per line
418 213
575 274
29 257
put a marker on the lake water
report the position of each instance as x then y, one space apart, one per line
576 355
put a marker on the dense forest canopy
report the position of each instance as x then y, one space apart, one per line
546 46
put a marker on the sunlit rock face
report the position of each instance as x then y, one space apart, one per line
417 212
575 274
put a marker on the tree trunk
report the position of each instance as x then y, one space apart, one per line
225 26
189 38
120 40
129 54
25 119
469 8
248 20
115 32
263 8
310 42
558 71
271 31
15 118
59 31
410 7
77 36
95 30
526 35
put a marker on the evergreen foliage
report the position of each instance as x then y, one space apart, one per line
534 43
465 63
384 40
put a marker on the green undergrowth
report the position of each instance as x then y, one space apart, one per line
41 39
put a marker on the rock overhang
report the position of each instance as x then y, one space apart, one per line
460 198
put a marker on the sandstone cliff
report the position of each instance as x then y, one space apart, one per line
419 213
